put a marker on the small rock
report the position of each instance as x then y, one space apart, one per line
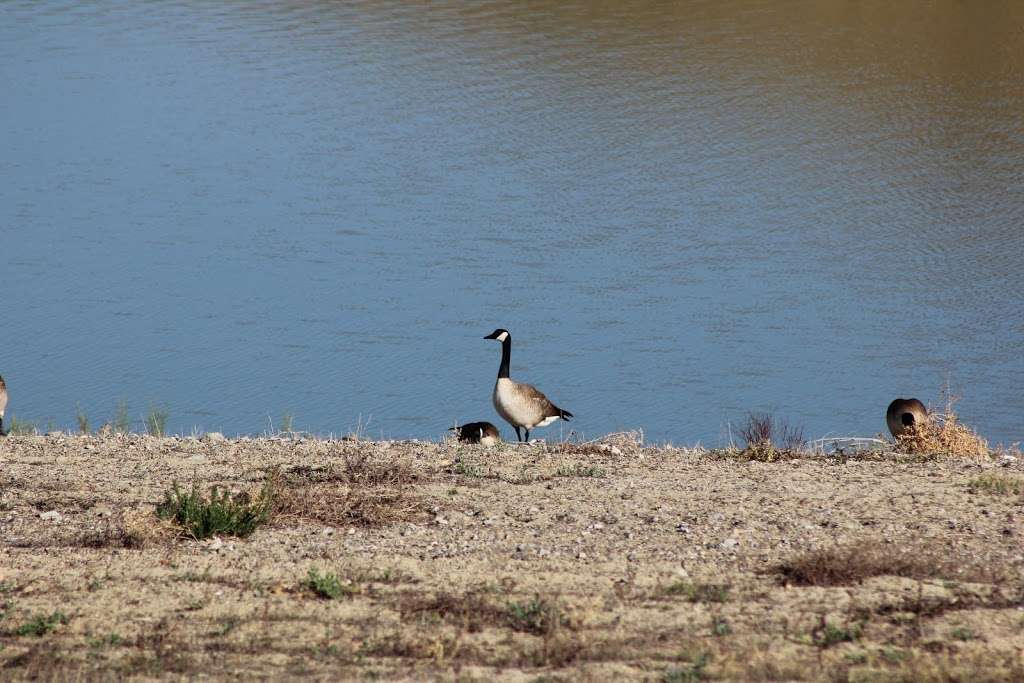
328 531
729 544
683 528
581 555
50 516
215 544
214 437
598 526
440 520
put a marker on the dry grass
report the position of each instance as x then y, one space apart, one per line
853 563
619 443
944 435
363 491
999 484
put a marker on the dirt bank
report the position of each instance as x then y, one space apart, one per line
557 562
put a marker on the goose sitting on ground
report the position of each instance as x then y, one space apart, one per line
3 405
521 405
483 433
903 414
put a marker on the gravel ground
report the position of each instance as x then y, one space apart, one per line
544 562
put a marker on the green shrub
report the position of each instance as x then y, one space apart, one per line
221 513
328 586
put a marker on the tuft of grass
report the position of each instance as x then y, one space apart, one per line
829 634
121 423
220 513
82 419
466 469
578 470
996 483
537 616
156 420
768 433
17 427
689 673
699 592
328 586
111 640
963 633
41 624
853 563
287 423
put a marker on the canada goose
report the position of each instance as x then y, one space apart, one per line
483 433
903 414
3 405
521 405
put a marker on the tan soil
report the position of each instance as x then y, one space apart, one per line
648 564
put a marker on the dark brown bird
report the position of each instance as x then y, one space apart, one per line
483 433
3 405
903 414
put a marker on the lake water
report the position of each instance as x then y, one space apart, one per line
682 212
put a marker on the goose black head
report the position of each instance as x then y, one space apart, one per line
499 334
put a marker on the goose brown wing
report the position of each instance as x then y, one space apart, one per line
538 401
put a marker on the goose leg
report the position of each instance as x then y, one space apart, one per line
519 437
2 432
527 436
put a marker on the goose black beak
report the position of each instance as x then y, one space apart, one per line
492 335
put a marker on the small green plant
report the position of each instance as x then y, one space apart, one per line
287 423
699 592
328 586
110 640
578 470
720 627
466 469
41 624
962 633
18 427
82 419
1001 484
537 616
228 624
830 634
121 422
156 420
689 673
221 513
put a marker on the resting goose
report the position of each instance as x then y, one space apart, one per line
521 405
483 433
3 405
903 414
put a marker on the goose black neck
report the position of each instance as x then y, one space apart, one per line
506 357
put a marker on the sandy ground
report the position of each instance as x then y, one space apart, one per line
529 563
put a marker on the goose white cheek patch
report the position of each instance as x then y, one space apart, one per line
502 337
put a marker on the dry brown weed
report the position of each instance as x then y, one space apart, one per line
944 435
853 563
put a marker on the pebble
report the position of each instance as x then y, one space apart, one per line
50 516
728 544
214 437
328 531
